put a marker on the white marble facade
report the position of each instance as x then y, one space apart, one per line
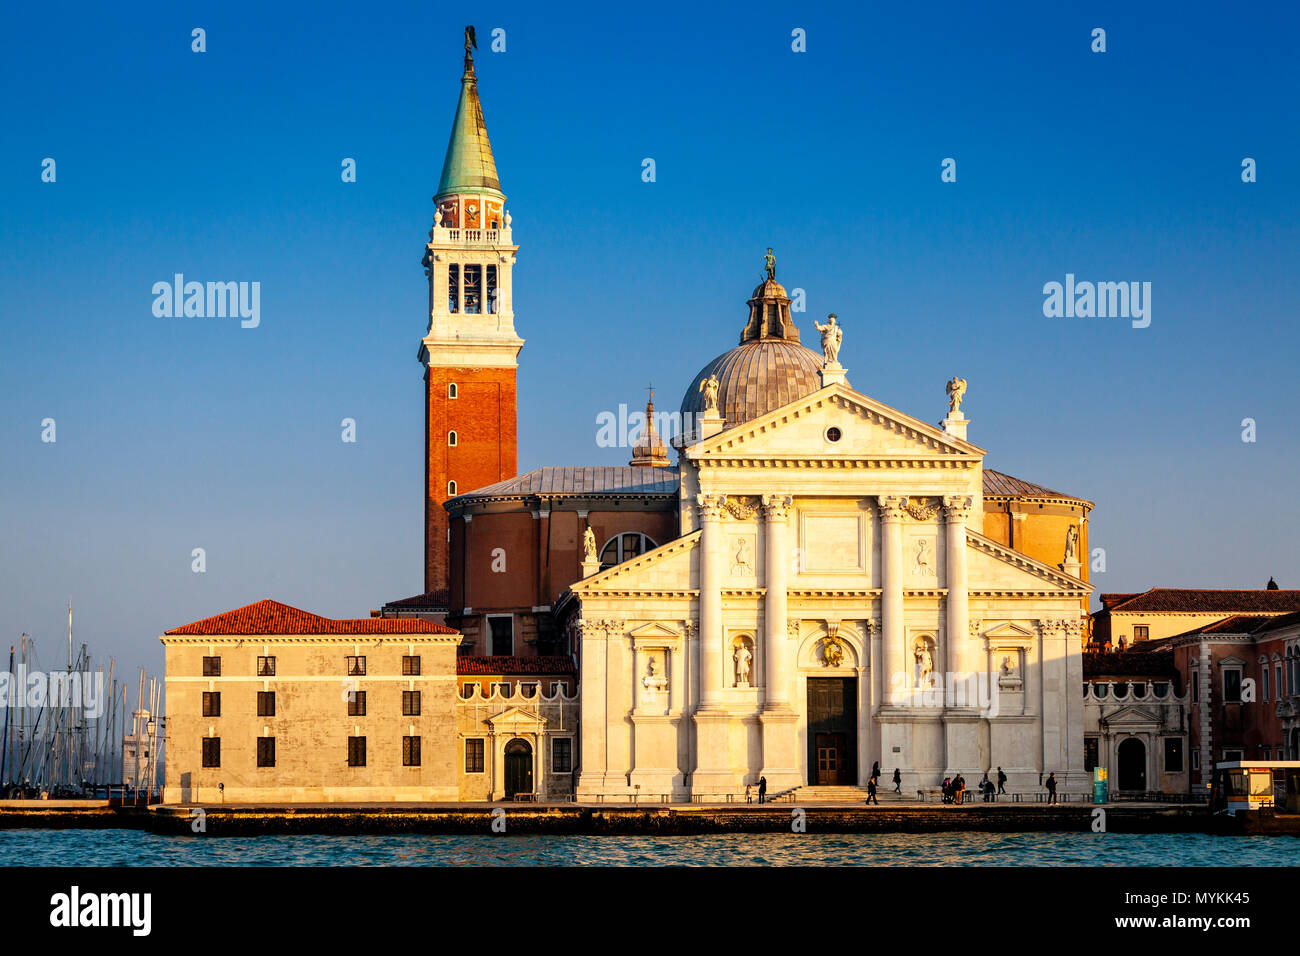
831 538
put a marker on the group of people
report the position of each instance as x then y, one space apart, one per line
954 788
872 785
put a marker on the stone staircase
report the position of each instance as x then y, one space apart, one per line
843 794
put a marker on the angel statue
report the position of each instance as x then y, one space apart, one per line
710 389
589 545
832 334
956 392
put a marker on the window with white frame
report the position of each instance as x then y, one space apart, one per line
451 390
451 439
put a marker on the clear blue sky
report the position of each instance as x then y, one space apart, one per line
183 433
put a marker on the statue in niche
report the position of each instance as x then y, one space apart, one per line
742 657
832 335
710 389
742 565
653 680
588 545
924 664
956 392
1010 666
1071 542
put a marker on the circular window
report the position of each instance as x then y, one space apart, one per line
833 434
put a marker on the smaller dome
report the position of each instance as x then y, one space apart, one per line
756 378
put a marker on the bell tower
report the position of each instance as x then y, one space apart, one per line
470 349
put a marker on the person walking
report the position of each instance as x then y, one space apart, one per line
1002 781
947 790
875 770
898 781
871 791
762 789
1051 788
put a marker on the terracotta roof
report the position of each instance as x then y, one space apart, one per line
1213 601
1108 601
1128 664
578 481
505 664
997 483
272 617
1277 623
430 600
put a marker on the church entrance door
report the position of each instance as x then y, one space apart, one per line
519 768
1132 765
832 730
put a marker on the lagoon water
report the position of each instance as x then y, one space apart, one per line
138 848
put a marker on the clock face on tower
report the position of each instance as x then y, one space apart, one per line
471 215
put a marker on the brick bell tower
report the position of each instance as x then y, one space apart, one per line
470 349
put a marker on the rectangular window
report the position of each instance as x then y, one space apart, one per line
1140 632
266 751
1277 681
1229 755
266 667
410 703
410 666
1196 760
211 703
474 756
212 751
528 688
453 288
1232 686
1263 682
1090 750
1173 755
356 751
503 634
356 666
492 289
562 755
212 667
1196 687
266 703
410 751
357 704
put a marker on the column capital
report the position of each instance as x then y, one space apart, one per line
891 508
957 508
777 507
711 506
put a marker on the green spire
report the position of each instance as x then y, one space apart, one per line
469 166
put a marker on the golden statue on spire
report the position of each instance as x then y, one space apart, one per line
471 42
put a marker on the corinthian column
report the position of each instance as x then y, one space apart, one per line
776 511
891 596
711 547
959 655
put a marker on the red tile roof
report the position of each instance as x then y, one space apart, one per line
1209 601
430 600
272 617
506 664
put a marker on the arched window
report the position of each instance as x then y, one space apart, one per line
451 390
622 547
451 438
451 489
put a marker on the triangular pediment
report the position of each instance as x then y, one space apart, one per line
516 717
995 567
1010 631
1131 715
652 631
868 429
667 568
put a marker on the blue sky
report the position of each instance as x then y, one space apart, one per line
181 433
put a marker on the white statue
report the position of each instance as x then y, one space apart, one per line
922 558
741 657
1071 542
653 680
956 392
832 334
926 662
588 545
710 389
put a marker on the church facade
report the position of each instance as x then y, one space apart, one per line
818 583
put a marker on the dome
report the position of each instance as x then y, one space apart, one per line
755 378
768 369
